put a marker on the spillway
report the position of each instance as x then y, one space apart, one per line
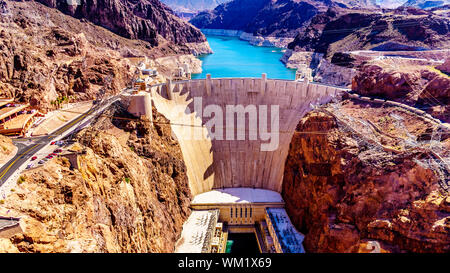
243 158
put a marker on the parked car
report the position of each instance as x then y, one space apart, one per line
57 151
53 143
41 161
34 158
30 166
53 154
49 157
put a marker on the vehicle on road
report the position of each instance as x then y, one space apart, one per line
34 158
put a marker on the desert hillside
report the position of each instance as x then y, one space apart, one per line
129 193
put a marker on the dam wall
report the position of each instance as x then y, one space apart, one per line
245 158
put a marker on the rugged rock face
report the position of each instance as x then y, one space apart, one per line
280 18
329 73
425 4
419 85
343 30
445 67
130 193
338 31
46 55
341 192
390 4
42 63
146 20
7 148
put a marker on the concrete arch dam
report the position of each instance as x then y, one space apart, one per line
235 132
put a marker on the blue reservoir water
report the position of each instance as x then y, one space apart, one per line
236 58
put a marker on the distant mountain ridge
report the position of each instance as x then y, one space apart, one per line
192 5
280 18
390 4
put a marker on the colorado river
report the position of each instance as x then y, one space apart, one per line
233 57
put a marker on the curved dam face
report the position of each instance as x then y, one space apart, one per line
236 132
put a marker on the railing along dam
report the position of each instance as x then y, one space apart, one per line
228 155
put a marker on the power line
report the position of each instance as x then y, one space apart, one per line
190 125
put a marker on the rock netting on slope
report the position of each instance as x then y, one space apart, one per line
422 86
342 194
130 193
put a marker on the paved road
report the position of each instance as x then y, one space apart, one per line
27 147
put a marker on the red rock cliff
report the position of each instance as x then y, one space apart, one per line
341 193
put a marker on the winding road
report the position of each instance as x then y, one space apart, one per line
28 147
36 144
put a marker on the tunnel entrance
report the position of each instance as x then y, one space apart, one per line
242 243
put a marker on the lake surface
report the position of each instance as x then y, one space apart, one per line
233 57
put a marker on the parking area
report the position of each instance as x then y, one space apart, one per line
54 150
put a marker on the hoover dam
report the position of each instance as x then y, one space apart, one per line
234 134
221 162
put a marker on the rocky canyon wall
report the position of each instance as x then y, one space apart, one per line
7 149
130 193
46 55
147 20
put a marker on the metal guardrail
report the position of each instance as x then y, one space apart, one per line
251 78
